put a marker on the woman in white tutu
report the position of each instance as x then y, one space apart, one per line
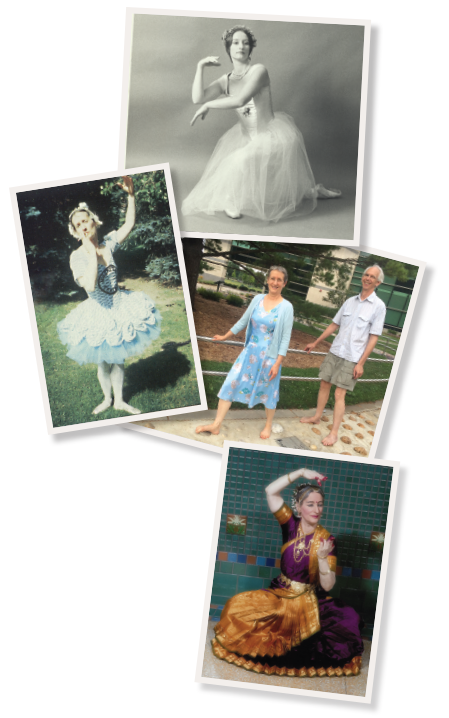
259 167
111 324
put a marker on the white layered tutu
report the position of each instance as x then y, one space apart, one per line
267 176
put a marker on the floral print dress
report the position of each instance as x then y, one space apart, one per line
247 382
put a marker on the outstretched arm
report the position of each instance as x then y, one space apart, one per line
215 89
130 218
259 79
327 332
273 490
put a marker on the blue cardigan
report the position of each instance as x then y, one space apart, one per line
282 331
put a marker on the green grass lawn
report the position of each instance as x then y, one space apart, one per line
161 378
302 394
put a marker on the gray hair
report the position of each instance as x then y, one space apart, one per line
381 275
82 207
282 270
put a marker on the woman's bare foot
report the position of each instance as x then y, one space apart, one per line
330 440
123 406
310 420
266 432
211 428
103 406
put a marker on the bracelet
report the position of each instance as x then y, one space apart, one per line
324 573
289 479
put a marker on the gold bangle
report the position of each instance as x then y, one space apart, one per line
288 477
324 573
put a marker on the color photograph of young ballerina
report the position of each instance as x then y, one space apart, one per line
299 344
105 281
261 131
294 597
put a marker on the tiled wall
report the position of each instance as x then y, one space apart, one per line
356 504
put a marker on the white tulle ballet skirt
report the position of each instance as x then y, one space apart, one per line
263 173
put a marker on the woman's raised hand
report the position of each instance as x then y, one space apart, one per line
309 474
325 548
127 186
202 112
210 60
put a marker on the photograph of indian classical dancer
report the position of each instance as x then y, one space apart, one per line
108 299
297 573
262 121
300 344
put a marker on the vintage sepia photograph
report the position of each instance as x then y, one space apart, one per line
300 344
262 120
108 298
297 573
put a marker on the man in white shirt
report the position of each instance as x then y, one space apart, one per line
360 322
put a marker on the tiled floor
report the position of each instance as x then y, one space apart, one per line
353 686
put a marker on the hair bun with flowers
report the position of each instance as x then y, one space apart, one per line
82 207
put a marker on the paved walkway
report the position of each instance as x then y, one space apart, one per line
355 435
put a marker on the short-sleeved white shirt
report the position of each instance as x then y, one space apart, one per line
357 319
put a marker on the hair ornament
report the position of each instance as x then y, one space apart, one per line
301 491
228 33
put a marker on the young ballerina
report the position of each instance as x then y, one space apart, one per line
259 167
255 376
112 324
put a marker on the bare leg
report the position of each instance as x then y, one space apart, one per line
214 428
104 377
266 431
117 377
323 396
339 410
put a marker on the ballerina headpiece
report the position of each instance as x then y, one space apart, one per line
82 207
228 34
301 492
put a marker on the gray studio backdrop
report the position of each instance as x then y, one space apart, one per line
316 76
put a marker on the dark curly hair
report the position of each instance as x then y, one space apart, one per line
229 34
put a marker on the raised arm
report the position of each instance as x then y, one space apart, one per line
273 490
256 81
125 229
214 90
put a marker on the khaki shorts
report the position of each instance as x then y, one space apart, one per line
338 371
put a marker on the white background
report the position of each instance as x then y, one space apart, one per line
104 534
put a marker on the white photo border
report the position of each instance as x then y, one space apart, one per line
31 310
123 135
390 385
383 573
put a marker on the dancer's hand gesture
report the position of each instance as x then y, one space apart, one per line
211 60
202 112
127 186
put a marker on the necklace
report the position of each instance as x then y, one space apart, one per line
299 550
239 77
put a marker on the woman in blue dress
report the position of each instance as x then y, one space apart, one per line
255 375
111 324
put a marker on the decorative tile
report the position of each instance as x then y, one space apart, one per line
236 524
377 540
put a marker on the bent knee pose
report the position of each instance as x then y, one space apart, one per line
255 375
260 167
294 624
111 324
359 322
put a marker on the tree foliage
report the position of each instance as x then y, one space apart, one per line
44 217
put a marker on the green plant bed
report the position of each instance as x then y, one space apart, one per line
210 294
234 300
301 394
162 377
309 330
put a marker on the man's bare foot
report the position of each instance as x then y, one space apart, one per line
266 432
330 439
123 406
310 420
211 428
103 406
